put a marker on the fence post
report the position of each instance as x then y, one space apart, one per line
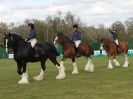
6 46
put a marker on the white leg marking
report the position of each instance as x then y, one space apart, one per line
110 65
61 69
27 75
24 79
40 76
126 61
75 69
89 67
116 62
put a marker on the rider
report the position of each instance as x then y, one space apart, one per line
32 36
115 37
76 38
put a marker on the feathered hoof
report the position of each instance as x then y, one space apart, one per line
23 82
60 77
37 78
75 72
110 68
125 66
89 69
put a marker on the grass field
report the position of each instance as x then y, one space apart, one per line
102 84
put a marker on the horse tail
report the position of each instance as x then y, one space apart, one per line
92 50
57 53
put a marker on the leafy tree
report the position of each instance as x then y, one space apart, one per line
4 28
129 28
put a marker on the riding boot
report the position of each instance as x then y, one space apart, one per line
118 49
36 52
78 52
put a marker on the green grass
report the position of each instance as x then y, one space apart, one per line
102 84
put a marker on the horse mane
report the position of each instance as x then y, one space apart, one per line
16 36
107 42
64 37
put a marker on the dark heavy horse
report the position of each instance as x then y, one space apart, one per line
111 50
23 53
69 51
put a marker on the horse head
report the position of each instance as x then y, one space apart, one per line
11 39
61 38
8 40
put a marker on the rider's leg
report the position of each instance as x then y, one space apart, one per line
117 43
77 43
33 42
77 47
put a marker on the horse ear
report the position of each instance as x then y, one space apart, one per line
9 33
5 34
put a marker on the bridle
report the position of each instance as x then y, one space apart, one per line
56 42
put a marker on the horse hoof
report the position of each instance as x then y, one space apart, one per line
89 71
75 72
125 66
60 77
117 65
38 78
23 82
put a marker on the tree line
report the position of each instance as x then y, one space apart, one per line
48 28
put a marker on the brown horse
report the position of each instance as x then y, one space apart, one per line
69 51
111 50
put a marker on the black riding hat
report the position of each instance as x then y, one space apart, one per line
115 30
31 25
75 26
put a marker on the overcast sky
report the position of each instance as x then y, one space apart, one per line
91 12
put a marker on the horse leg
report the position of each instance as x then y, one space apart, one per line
60 67
115 61
126 61
110 66
24 79
41 75
89 67
75 68
19 70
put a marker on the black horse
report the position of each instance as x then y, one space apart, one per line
23 53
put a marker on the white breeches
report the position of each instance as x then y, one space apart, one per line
33 42
116 41
77 43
